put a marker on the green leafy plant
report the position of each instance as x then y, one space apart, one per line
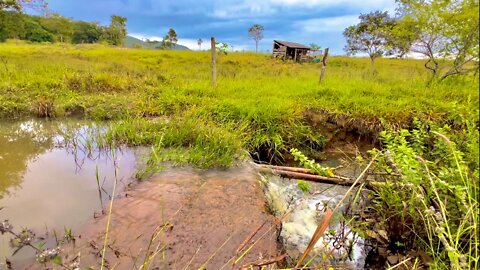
310 164
304 186
428 198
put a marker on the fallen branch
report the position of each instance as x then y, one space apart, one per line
309 177
322 226
302 170
260 263
290 169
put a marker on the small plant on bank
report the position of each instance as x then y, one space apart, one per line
427 197
27 238
310 164
304 186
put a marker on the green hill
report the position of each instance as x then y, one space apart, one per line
131 42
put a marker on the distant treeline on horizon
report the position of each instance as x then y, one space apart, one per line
56 28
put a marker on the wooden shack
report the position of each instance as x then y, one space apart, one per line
290 50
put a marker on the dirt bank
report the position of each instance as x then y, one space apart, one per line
343 133
204 216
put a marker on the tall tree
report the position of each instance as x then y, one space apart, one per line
446 33
370 35
85 32
12 25
199 42
170 39
117 31
256 33
59 26
36 33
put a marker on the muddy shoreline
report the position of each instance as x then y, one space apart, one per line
199 218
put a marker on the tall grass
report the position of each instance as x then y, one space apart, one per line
260 103
164 99
109 83
433 206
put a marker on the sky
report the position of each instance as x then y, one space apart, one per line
303 21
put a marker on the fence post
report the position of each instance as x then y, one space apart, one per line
324 64
214 62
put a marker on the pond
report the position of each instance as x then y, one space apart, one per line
48 182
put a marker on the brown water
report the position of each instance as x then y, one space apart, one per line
47 183
202 217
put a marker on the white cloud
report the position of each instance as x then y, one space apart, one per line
192 44
145 36
326 25
329 3
242 9
225 9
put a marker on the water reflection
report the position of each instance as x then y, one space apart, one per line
19 144
48 176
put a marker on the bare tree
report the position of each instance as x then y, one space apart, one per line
256 33
446 32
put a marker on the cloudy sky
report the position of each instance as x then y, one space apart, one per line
303 21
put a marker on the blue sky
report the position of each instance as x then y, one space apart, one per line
303 21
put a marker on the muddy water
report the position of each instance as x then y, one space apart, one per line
197 217
48 184
180 218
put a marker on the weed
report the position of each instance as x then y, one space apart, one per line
304 186
432 205
43 107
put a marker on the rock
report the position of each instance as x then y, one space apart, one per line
392 259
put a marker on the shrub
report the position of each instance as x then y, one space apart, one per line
432 203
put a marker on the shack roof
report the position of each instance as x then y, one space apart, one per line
292 44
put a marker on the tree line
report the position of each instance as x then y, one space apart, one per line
15 24
445 32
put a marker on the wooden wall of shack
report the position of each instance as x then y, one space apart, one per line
289 52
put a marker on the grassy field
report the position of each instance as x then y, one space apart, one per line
428 129
258 105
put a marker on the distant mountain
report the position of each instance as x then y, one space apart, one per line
131 42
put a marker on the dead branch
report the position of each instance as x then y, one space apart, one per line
260 263
327 215
309 177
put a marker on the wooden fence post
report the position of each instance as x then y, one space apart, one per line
214 62
324 64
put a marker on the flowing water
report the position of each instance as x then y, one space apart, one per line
305 211
49 183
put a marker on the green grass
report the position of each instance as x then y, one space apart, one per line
259 103
164 99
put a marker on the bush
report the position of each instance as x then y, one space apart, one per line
429 202
36 33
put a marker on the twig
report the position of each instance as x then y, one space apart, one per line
310 177
260 263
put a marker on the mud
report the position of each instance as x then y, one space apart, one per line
202 217
343 133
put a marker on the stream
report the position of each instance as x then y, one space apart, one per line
54 178
48 184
